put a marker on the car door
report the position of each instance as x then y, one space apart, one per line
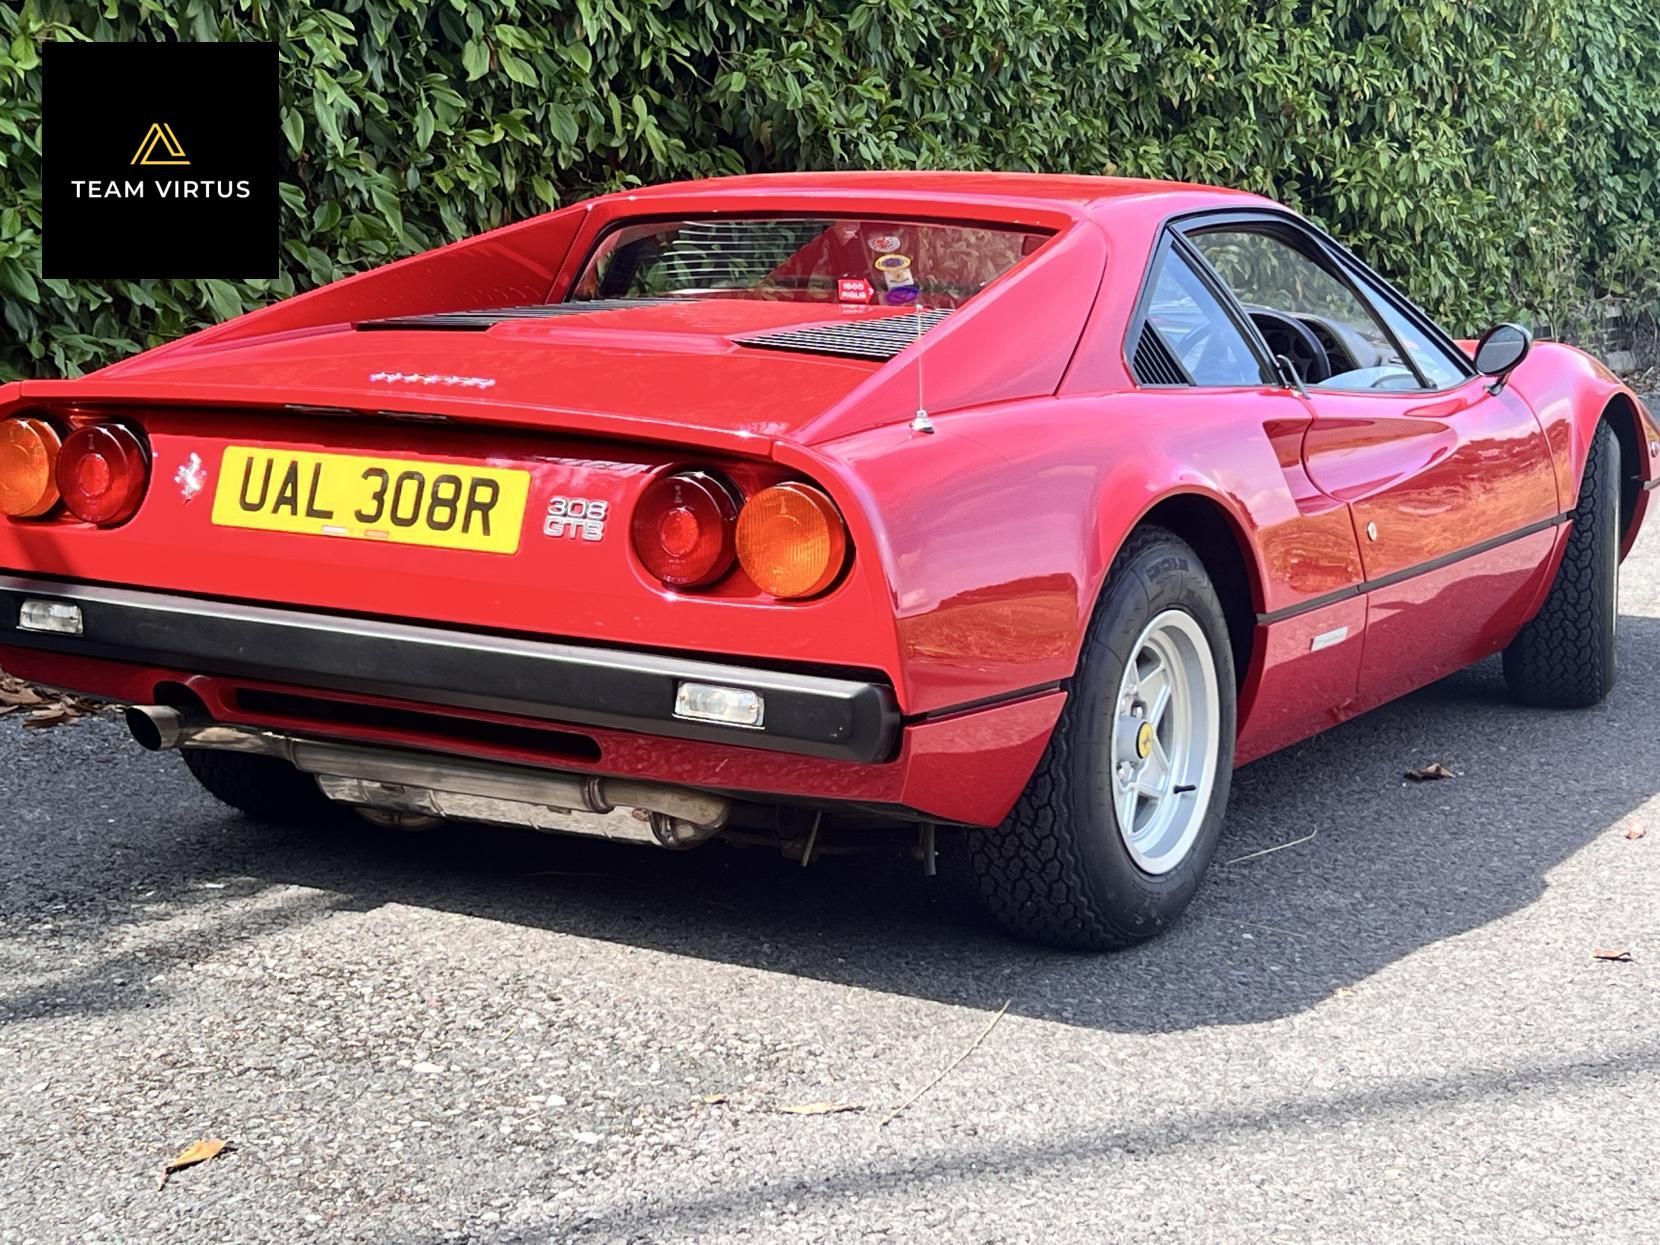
1448 483
1191 346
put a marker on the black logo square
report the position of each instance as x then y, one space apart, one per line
159 160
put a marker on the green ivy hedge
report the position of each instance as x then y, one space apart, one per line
1497 156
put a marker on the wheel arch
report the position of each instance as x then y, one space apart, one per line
1573 393
1621 414
1206 523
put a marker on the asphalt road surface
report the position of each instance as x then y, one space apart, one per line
1395 1030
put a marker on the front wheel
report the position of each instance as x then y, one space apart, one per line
1108 842
1564 657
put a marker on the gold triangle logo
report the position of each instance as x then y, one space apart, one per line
160 134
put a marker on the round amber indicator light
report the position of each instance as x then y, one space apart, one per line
791 540
28 467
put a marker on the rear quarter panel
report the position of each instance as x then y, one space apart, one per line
996 533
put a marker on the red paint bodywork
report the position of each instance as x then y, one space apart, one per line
980 550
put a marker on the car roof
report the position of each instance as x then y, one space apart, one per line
1078 192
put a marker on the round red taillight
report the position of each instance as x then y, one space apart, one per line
102 474
28 467
683 526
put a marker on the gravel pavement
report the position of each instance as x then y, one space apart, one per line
1395 1031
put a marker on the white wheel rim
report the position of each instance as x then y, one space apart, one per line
1165 741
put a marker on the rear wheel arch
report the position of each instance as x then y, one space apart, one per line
1215 535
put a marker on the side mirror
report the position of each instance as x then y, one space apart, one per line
1498 353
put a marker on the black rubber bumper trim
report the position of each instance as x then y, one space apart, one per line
1408 572
813 715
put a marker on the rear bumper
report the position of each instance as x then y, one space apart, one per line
808 715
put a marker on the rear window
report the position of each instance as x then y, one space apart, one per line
818 260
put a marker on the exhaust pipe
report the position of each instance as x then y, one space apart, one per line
157 728
459 788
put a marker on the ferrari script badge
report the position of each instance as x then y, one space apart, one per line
431 378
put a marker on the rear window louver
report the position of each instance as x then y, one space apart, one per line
487 316
857 339
1154 364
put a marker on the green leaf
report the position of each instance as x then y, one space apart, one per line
293 129
516 69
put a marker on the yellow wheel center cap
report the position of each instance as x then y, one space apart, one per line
1144 740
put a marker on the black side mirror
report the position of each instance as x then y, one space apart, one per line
1498 353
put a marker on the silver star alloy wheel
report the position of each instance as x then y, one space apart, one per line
1165 741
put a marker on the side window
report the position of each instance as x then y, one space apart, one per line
1306 312
1186 324
1429 355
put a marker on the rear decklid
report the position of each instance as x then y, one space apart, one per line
685 373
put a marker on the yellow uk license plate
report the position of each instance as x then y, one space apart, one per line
445 505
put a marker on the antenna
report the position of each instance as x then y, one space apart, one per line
920 424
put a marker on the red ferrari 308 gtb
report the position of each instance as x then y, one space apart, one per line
786 507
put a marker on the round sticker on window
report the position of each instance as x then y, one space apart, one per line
884 242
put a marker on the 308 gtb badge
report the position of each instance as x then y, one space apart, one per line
576 518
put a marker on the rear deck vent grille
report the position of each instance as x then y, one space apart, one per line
1154 364
486 317
858 339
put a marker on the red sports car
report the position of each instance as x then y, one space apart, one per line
791 508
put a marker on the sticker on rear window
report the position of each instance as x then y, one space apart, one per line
853 290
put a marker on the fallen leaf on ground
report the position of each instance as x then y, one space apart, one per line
52 715
821 1108
196 1152
17 692
48 708
1431 771
715 1100
1618 955
1636 832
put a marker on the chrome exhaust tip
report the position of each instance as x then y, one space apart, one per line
156 728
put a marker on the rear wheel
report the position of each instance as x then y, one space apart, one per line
1108 843
265 788
1564 657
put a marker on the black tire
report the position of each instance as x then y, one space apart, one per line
1564 657
265 788
1058 871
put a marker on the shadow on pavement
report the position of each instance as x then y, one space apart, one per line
1393 867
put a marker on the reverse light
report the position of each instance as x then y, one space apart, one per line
102 474
710 702
57 617
28 467
683 528
791 540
